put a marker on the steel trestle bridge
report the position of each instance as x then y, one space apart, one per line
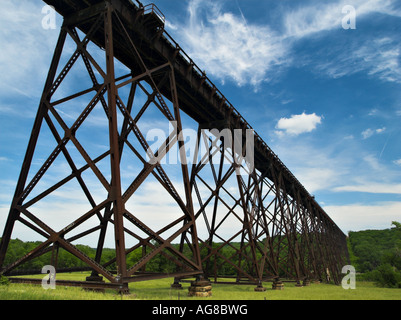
272 226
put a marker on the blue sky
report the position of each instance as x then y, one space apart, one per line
326 99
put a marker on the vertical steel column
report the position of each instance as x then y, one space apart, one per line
184 169
215 206
115 194
247 228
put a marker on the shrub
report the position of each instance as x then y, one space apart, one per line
4 281
387 276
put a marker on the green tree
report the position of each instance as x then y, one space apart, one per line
397 225
392 258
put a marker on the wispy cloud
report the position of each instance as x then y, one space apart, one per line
232 48
375 57
338 166
381 58
372 176
311 19
26 60
373 163
369 187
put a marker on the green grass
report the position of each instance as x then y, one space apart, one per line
160 290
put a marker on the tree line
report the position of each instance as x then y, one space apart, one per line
376 255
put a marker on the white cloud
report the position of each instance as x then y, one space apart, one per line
298 124
367 133
397 162
377 188
370 132
356 217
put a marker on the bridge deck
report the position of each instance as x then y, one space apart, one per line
199 97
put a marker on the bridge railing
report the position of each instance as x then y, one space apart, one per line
152 8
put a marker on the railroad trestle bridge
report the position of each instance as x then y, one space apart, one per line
135 74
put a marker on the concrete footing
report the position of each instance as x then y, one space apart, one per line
260 289
278 285
200 288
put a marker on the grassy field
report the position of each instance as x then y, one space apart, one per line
160 290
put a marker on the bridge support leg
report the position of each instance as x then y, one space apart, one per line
95 277
176 285
200 288
260 287
278 285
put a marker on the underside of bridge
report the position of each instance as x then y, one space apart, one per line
228 215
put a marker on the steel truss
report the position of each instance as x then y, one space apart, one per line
272 228
279 237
